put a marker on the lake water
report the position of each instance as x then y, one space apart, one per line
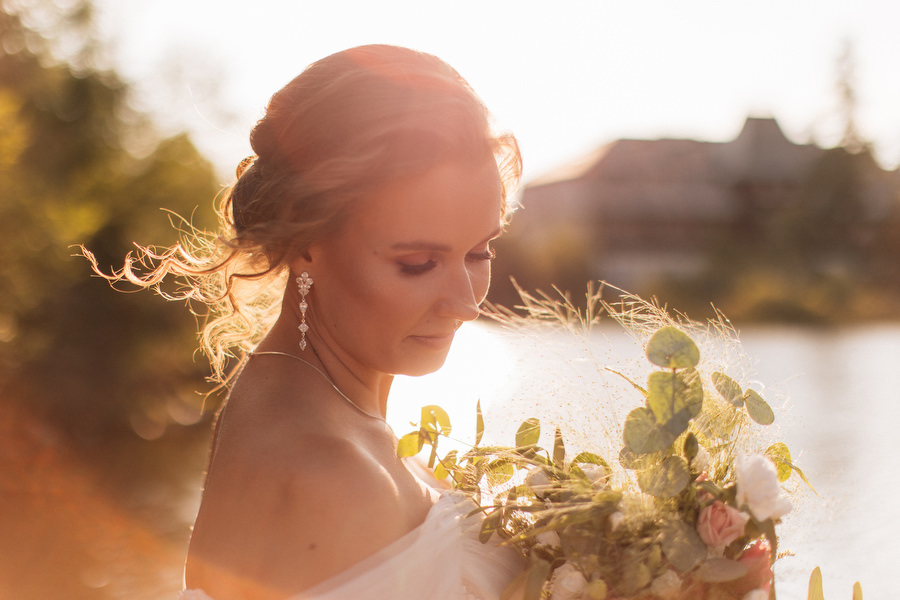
837 398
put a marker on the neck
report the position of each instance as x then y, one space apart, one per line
368 388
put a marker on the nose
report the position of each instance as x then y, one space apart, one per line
460 299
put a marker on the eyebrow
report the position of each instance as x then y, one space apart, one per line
423 246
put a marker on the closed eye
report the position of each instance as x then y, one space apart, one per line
418 268
488 254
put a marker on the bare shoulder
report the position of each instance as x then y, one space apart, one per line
289 502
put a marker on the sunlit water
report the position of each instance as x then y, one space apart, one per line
836 394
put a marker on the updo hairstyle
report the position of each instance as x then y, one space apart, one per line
346 124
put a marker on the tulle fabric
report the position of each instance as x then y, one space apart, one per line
441 559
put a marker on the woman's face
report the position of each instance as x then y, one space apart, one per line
409 265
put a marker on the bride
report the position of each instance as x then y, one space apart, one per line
354 244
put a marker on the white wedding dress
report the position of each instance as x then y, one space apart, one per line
441 559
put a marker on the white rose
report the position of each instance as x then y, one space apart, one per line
616 519
567 583
758 488
538 480
548 538
594 473
667 586
758 594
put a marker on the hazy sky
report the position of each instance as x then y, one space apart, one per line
564 76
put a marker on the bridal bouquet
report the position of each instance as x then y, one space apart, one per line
687 509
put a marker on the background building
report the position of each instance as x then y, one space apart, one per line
694 222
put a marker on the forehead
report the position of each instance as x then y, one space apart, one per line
451 202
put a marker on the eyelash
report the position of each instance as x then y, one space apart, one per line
422 268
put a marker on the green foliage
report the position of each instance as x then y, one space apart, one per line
682 546
673 397
671 348
758 409
627 524
666 479
107 378
100 364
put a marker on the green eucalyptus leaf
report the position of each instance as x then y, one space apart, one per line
682 545
720 570
781 456
436 419
410 444
643 435
671 348
728 388
815 585
691 447
529 433
559 449
666 479
590 458
499 471
630 459
758 409
675 397
479 423
445 465
489 526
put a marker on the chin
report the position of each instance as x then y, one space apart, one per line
423 365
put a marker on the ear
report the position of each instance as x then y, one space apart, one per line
302 262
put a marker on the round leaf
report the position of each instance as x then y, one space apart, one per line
499 471
666 479
436 418
758 409
728 388
675 398
529 433
591 458
410 444
442 468
691 447
718 570
682 545
643 435
671 348
781 456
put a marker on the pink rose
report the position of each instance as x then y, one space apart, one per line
720 524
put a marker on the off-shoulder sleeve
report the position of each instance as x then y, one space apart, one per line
441 559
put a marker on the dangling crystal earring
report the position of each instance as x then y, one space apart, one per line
304 282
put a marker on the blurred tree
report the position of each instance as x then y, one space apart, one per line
87 376
68 178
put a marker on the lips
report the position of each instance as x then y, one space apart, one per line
437 340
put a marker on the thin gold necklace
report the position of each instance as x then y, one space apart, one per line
327 378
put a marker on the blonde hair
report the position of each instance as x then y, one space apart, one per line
347 123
